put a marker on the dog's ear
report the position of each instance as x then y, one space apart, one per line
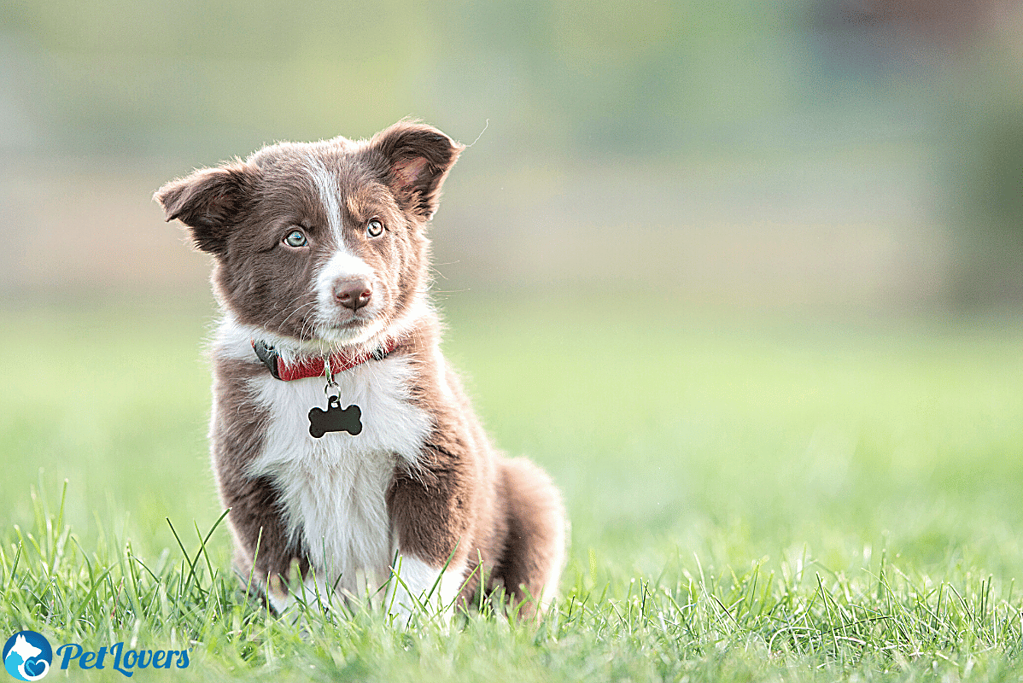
418 158
208 201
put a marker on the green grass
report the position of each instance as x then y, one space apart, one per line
751 499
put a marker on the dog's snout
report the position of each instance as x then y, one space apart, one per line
353 293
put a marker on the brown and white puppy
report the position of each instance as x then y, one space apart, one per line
320 249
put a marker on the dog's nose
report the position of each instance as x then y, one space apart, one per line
353 294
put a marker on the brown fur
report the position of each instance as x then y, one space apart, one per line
255 516
459 501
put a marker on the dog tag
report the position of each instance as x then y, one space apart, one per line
335 419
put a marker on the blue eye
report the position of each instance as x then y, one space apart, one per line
296 239
374 228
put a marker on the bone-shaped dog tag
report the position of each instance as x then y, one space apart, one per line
335 419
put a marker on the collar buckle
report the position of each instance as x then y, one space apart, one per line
268 356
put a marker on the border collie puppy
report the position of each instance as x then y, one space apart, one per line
341 439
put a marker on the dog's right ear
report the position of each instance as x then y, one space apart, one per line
208 201
418 158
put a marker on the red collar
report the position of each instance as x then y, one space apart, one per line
314 365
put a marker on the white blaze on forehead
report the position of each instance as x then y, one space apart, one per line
330 195
342 264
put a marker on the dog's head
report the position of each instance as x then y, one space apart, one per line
323 243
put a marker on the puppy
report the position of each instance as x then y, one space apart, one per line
341 439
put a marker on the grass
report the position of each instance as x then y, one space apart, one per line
751 500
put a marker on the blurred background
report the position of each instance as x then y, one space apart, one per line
753 266
835 155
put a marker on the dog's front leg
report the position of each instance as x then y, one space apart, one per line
416 585
264 555
429 507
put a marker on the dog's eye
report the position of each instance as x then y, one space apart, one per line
374 228
296 239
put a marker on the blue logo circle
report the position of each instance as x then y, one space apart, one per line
27 656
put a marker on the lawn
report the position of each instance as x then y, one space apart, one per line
752 498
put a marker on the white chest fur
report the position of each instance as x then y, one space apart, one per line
333 488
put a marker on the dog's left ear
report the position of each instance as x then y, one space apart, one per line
209 202
418 158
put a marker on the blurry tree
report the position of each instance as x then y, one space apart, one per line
976 49
616 76
985 129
